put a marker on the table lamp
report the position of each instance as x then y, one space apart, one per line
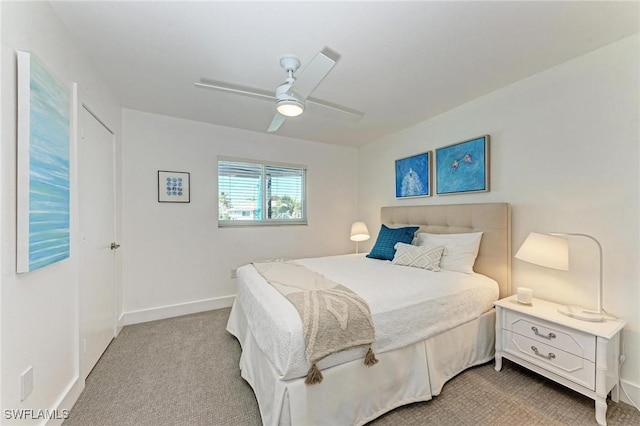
359 232
552 251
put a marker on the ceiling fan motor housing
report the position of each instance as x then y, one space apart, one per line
287 103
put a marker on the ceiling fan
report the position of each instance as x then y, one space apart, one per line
291 96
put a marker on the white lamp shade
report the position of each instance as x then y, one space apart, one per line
359 231
545 250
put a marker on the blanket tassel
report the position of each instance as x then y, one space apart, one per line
314 375
370 358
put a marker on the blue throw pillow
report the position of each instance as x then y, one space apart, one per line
384 248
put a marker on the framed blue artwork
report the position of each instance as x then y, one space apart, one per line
43 177
173 187
463 167
413 176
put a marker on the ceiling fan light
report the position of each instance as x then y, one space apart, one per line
290 107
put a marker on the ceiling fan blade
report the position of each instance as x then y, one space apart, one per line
351 113
235 89
315 72
277 121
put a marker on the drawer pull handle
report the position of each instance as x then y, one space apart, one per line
548 336
550 356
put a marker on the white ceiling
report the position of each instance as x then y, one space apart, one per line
401 62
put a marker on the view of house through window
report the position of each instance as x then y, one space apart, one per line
251 193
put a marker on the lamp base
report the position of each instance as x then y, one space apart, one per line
581 314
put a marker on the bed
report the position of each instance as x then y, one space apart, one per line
417 353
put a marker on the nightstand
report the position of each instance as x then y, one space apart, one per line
580 355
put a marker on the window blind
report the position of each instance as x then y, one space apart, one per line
251 193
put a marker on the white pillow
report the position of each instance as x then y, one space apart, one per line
460 250
418 257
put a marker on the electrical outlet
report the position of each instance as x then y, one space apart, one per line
234 273
26 383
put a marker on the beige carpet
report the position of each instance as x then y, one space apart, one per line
184 371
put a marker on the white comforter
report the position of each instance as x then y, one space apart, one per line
407 305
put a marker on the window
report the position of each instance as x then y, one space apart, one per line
252 193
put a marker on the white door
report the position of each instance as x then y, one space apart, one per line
97 232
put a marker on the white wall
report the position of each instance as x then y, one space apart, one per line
177 260
39 323
564 153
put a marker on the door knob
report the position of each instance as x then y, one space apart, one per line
114 246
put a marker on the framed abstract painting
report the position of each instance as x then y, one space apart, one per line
173 187
43 175
413 176
463 167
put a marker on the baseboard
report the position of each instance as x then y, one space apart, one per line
66 402
170 311
119 324
633 392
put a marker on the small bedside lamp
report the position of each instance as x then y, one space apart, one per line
359 232
551 251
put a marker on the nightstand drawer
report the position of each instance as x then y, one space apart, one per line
569 366
568 340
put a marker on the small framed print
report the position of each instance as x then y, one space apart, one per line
173 187
463 167
413 176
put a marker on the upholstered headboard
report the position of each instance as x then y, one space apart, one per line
493 219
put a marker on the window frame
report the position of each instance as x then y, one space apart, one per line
224 223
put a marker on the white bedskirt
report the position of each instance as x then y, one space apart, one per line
354 394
